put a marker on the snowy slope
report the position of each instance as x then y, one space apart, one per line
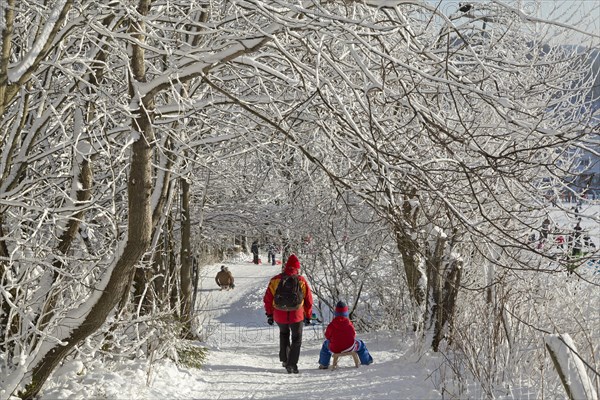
243 361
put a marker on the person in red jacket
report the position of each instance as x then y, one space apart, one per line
289 322
341 337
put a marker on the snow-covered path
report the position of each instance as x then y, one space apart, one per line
243 360
244 363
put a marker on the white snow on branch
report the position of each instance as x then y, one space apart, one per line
572 366
15 73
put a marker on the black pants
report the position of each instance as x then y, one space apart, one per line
290 352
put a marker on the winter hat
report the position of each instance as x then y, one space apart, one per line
292 266
341 309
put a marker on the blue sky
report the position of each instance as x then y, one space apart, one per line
582 14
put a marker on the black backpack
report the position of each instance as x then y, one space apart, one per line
288 295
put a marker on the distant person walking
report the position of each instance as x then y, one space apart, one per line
545 229
271 251
576 241
254 250
288 302
559 239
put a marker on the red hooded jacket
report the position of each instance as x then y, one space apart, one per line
341 334
292 267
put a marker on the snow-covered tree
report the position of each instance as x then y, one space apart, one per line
449 129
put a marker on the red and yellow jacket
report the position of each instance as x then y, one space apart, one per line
292 267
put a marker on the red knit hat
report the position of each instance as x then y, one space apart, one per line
292 266
341 309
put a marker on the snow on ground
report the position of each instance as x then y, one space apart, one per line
243 360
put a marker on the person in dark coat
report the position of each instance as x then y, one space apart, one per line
271 251
254 250
545 229
340 337
289 322
576 241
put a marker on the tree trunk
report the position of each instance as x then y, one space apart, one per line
159 266
447 301
172 268
185 258
435 273
415 275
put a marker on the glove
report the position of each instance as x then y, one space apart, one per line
306 321
270 319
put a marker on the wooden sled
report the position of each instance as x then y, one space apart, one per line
336 356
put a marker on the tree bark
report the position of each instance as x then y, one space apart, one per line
415 277
435 273
447 301
185 257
